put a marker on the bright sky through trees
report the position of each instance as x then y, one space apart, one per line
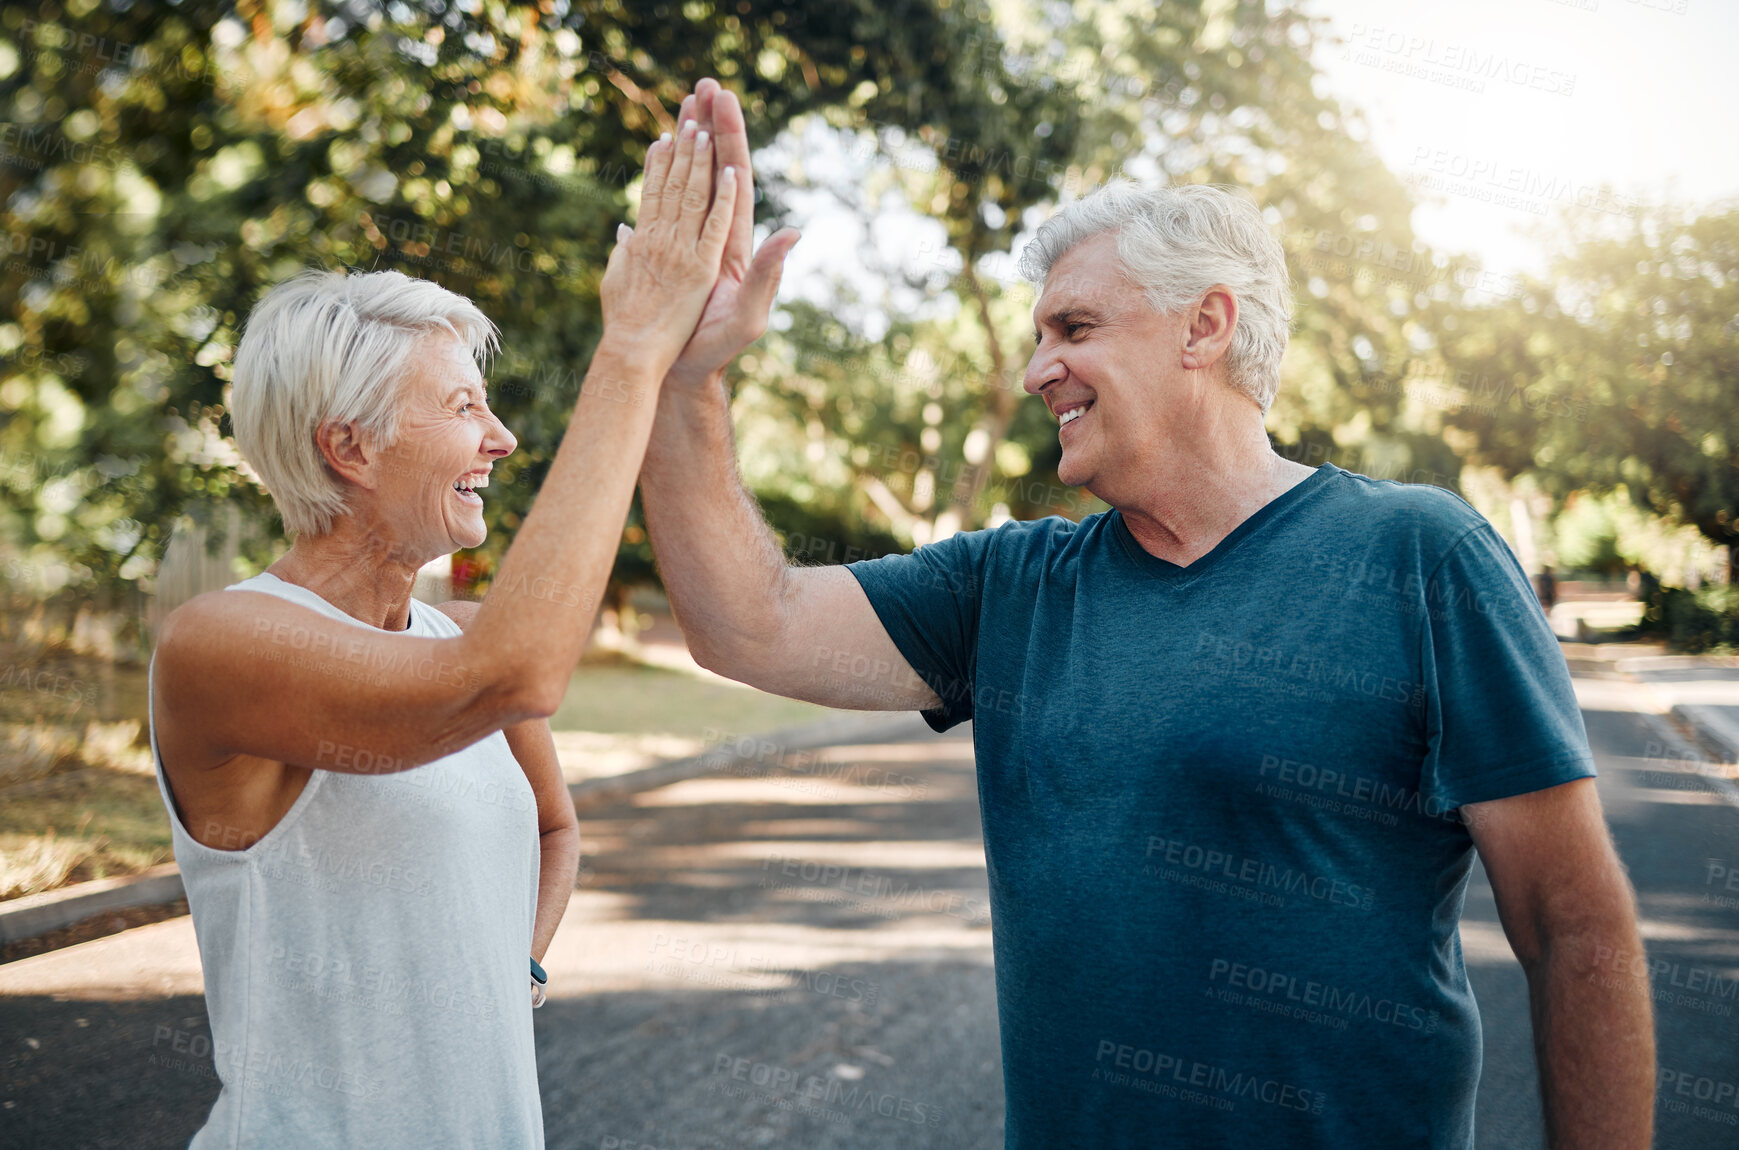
1504 109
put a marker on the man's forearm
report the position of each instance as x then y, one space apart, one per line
1594 1040
720 563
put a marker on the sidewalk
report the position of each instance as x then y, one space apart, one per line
1698 693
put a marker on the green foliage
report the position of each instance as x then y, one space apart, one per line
923 428
162 166
1704 620
1588 538
1623 374
166 166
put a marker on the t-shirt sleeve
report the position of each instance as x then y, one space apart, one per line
928 603
1501 714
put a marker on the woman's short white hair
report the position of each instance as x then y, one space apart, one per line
326 345
1178 242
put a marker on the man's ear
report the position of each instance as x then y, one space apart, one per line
348 453
1210 331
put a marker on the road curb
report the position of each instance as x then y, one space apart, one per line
37 914
1713 726
1710 725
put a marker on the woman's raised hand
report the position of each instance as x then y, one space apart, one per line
661 272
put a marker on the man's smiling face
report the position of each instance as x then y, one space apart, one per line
1108 367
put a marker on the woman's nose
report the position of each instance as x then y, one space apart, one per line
500 441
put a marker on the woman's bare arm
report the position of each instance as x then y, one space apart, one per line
247 673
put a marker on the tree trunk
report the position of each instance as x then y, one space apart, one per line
957 514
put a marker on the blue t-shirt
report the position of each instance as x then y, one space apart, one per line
1219 804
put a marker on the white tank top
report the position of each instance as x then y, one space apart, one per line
367 961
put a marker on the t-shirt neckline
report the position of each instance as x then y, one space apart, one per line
1171 572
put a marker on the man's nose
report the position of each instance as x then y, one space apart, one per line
1042 369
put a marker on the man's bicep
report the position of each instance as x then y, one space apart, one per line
1551 862
836 651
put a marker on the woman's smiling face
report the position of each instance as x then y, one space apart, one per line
448 440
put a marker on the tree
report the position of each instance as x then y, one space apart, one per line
1622 373
168 165
920 427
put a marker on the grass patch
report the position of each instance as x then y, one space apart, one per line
630 698
85 825
98 814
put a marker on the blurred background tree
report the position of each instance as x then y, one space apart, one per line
161 166
1621 374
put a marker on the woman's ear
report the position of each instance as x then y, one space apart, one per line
346 451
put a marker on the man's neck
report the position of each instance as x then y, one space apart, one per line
1191 502
356 572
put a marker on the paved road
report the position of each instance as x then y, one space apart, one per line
1680 841
739 944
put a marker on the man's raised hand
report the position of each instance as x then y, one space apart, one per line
736 313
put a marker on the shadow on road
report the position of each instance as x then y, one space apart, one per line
104 1075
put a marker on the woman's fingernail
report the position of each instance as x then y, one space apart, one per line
665 138
623 231
700 139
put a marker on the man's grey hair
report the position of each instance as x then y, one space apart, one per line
1178 242
327 346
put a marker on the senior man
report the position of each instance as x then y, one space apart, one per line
1238 738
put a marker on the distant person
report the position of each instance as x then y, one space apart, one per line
1548 588
365 800
1238 737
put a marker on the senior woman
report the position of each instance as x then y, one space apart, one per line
363 790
